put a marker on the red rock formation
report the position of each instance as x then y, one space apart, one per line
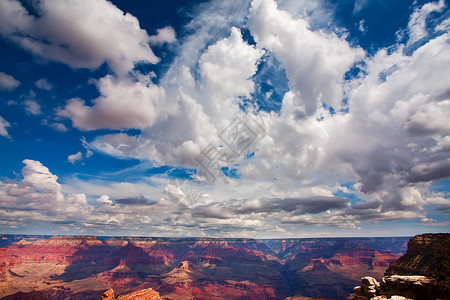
108 295
80 267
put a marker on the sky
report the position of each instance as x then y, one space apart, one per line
238 118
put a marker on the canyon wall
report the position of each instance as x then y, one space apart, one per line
84 267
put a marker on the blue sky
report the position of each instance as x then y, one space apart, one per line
256 118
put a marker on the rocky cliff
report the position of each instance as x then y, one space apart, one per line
423 273
427 254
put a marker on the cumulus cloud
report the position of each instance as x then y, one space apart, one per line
3 125
40 195
315 61
123 103
102 34
390 139
39 176
81 34
226 69
193 111
104 200
39 198
404 109
385 131
7 82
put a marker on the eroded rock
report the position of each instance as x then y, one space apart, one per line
395 286
145 294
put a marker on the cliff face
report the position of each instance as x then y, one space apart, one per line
427 254
423 273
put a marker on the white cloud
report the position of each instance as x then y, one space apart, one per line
444 26
411 196
168 142
123 103
394 105
318 13
43 84
193 111
73 158
3 125
442 145
98 33
7 82
193 108
104 200
315 61
38 198
39 176
81 34
407 107
29 103
417 26
226 69
40 195
164 35
403 100
392 142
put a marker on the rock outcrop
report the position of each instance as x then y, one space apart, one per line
427 254
145 294
409 287
369 289
423 273
108 295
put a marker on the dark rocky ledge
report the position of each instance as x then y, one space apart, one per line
423 273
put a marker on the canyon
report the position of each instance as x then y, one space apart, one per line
84 267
